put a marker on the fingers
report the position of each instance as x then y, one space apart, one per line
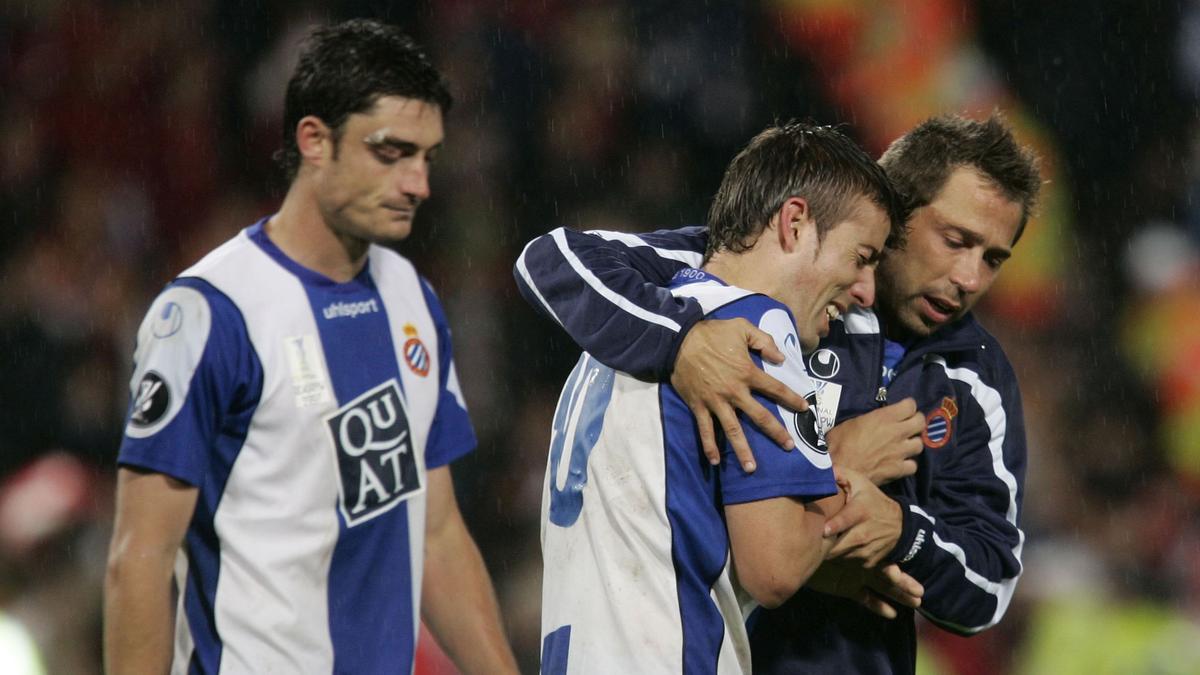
843 520
897 580
704 427
776 391
876 604
762 342
902 409
766 422
911 425
732 427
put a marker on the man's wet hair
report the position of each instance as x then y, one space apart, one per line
920 162
345 69
796 159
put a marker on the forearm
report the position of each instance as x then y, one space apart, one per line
607 292
459 604
138 616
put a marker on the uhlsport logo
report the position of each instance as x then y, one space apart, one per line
939 424
824 364
375 459
151 401
350 309
168 321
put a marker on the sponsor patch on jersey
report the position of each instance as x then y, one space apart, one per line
415 353
376 463
824 364
151 402
939 424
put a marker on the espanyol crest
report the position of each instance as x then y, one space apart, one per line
376 463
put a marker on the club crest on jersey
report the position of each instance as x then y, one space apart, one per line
376 465
415 353
151 401
939 424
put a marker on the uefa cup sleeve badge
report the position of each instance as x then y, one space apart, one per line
939 424
415 353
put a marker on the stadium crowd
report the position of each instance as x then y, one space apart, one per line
136 136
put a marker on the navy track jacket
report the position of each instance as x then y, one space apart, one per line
960 535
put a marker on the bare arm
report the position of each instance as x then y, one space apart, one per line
457 600
777 543
152 515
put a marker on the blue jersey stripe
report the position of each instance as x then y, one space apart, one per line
363 604
699 542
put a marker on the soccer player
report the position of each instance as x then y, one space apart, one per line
932 405
651 555
295 410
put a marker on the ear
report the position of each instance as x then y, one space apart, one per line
314 139
793 217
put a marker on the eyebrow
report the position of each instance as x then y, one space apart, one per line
974 239
378 139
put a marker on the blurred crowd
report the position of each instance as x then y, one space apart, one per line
135 136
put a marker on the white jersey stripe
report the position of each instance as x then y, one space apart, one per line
997 420
524 271
604 291
689 258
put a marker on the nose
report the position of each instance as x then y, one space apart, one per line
863 290
967 273
414 180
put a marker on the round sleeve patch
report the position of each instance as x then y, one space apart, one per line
806 428
171 342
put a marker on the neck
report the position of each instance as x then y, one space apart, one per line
751 270
301 232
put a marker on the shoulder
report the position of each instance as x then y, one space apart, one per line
231 255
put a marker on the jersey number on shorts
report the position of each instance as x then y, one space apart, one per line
578 420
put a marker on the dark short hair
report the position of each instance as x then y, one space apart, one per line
796 159
347 67
921 161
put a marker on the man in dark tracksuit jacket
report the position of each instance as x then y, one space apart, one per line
957 531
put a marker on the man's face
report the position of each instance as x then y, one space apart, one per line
842 271
956 245
380 175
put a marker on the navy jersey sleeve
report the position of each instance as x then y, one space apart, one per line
196 380
451 435
964 545
607 291
804 472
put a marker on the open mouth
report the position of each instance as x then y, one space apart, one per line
940 309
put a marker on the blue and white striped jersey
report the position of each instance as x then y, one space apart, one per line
307 413
637 573
961 537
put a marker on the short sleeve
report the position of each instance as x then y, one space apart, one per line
451 436
192 364
804 472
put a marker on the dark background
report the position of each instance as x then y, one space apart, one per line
135 136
